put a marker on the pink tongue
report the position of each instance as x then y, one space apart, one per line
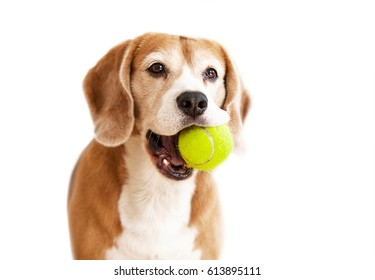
170 144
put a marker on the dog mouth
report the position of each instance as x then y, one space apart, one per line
166 156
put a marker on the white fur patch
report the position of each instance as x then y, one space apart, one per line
154 212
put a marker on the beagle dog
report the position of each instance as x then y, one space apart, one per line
131 194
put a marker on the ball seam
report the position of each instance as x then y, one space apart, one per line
213 146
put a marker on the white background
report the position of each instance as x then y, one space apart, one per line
300 203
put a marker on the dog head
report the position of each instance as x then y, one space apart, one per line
156 85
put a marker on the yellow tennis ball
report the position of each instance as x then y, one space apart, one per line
205 148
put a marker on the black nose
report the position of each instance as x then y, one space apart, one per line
192 103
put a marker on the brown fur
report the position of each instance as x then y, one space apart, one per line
115 92
205 213
95 190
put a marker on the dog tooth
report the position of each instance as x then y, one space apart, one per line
165 162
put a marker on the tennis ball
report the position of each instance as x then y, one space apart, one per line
205 148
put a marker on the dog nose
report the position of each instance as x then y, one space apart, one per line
192 103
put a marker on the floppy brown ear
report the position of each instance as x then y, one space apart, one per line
237 100
109 98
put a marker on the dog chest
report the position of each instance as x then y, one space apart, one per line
155 219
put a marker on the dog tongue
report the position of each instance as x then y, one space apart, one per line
170 144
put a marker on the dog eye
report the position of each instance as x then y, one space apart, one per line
156 69
210 74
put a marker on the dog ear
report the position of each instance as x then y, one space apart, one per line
108 94
237 100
